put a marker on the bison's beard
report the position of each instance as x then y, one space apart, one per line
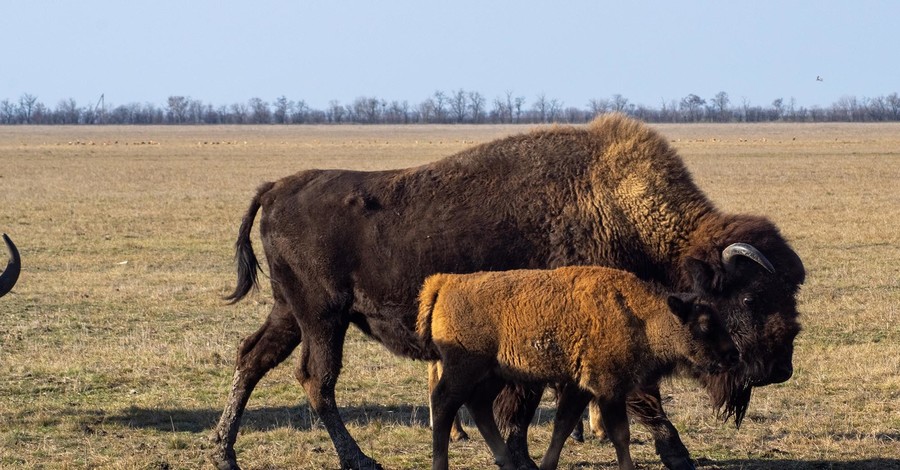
730 394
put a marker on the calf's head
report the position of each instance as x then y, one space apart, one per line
710 347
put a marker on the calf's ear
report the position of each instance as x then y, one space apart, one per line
681 305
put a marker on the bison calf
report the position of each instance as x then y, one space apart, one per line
600 331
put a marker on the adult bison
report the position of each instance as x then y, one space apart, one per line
352 247
11 273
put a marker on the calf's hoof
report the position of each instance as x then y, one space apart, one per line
462 436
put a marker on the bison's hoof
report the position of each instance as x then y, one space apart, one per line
222 461
577 435
361 463
222 456
679 463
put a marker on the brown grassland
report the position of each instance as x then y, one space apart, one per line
116 349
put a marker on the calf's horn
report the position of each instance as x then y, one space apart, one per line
748 251
11 273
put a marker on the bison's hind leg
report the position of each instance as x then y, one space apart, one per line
324 327
258 353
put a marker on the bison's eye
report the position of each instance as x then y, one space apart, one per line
748 301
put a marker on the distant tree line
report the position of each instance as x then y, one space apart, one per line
441 107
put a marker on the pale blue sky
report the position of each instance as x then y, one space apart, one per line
226 52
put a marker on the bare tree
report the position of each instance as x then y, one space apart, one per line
778 108
476 106
367 110
459 105
499 111
68 111
720 106
335 111
619 103
195 111
598 106
517 105
573 114
211 116
691 107
510 106
541 107
745 109
282 109
238 113
7 111
177 112
893 104
259 111
426 110
299 112
397 113
26 107
555 110
439 101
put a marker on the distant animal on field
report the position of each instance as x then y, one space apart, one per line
13 267
353 247
599 331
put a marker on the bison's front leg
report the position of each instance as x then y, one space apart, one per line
645 406
320 364
258 354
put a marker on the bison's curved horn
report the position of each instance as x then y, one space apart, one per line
746 250
11 274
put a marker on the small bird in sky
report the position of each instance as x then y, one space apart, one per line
819 78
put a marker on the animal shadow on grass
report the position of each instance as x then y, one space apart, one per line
299 417
789 464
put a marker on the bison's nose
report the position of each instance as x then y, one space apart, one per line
781 373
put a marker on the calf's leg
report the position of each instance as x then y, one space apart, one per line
570 406
481 405
257 354
457 433
615 421
446 397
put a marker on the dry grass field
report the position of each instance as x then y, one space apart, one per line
116 349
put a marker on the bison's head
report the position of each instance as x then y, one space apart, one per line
755 290
11 273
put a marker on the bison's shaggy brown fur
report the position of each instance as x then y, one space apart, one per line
352 247
600 330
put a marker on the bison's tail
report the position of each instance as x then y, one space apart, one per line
247 264
427 298
13 267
